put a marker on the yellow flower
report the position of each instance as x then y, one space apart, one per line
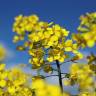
35 59
2 67
68 43
56 27
50 59
18 18
67 82
56 57
53 90
3 75
38 84
2 83
34 37
50 43
40 35
16 39
90 43
78 54
47 34
11 89
68 49
61 59
28 28
33 18
54 38
87 28
65 32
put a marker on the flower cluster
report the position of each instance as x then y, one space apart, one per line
41 88
87 30
48 44
13 82
84 77
41 38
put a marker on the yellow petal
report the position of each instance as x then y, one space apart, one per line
68 49
50 59
68 43
90 43
61 59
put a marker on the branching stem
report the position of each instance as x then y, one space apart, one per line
59 75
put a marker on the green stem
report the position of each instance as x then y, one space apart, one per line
59 75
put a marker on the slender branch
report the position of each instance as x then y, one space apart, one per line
68 61
64 73
60 76
50 76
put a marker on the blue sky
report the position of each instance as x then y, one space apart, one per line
63 12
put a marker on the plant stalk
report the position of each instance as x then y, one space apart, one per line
59 75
